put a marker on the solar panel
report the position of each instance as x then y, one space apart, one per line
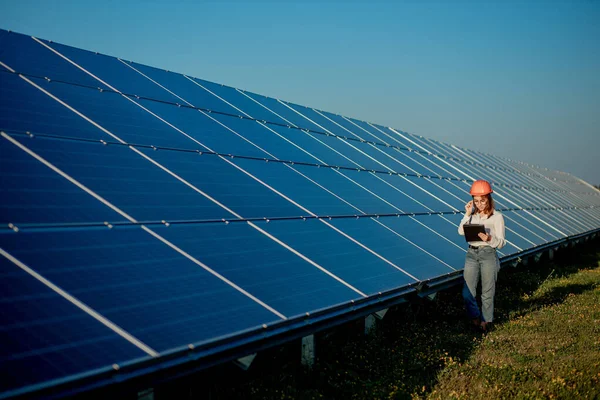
150 219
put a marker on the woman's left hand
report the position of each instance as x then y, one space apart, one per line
485 237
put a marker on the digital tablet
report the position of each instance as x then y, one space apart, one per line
471 232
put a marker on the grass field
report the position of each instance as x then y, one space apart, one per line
549 347
545 344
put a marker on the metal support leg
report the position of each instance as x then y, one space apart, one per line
369 323
244 362
370 320
308 351
432 296
147 394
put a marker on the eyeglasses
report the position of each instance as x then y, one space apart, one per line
482 201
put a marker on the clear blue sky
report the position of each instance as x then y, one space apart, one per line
516 79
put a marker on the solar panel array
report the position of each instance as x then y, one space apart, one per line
147 214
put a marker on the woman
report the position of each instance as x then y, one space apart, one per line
482 259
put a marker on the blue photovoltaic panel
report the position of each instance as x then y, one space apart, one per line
386 239
353 263
143 211
31 193
113 72
267 270
127 180
138 282
291 183
222 180
42 329
522 227
23 54
21 110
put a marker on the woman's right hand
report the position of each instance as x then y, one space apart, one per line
468 208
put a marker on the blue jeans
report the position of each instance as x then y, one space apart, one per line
482 262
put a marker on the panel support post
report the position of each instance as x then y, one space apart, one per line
381 313
369 323
308 351
147 394
551 254
244 362
371 318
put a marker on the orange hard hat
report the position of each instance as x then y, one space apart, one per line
481 188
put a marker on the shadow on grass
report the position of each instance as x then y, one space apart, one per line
558 294
516 285
402 356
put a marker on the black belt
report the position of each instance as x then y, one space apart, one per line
478 247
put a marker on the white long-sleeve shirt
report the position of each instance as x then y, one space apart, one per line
494 226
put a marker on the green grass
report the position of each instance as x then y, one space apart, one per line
546 344
552 351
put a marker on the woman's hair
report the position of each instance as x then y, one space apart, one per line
490 207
